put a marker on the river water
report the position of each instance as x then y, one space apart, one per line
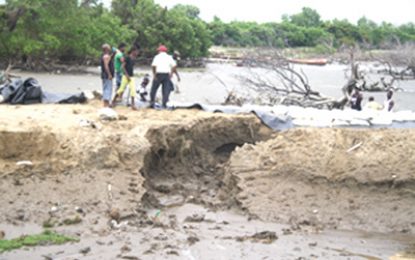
211 84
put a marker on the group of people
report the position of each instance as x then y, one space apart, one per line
357 98
119 64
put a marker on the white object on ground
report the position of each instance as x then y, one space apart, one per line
107 114
88 94
87 123
351 149
24 163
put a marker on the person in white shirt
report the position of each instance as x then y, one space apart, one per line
163 68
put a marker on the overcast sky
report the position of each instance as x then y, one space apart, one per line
394 11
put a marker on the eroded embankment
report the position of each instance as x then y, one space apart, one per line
96 166
302 176
186 162
335 178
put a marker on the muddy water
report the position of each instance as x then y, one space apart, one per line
218 235
210 85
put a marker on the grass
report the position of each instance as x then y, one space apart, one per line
46 238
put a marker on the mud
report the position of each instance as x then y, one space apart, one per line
187 184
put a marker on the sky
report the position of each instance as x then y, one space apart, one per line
393 11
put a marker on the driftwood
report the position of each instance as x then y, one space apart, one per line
6 75
276 81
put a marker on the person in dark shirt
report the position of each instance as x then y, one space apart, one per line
107 74
356 100
128 77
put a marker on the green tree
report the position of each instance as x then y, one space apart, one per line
307 18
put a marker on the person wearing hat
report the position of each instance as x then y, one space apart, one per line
107 73
163 66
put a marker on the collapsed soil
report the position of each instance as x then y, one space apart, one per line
331 178
105 171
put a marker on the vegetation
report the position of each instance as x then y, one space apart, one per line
36 31
306 29
45 238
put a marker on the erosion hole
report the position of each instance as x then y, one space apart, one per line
186 163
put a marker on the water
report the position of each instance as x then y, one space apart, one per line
211 85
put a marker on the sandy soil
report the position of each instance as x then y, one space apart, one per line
187 184
314 176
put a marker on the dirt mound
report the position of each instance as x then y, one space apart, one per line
336 178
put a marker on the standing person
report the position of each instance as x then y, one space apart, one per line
128 77
163 68
356 100
118 60
176 57
389 103
107 74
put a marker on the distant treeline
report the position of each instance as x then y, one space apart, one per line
38 30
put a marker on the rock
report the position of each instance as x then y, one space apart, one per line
107 114
115 214
195 218
314 244
125 249
193 240
130 257
53 210
173 252
85 250
79 210
2 234
266 237
72 221
21 215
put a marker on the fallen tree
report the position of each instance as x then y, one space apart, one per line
6 76
275 81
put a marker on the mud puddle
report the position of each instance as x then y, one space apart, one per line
195 232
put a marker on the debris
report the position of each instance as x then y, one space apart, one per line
24 163
173 252
195 218
266 237
53 210
130 257
115 214
87 123
351 149
122 118
85 250
193 240
125 249
314 244
72 221
109 192
107 114
79 210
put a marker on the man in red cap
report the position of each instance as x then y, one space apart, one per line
163 68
